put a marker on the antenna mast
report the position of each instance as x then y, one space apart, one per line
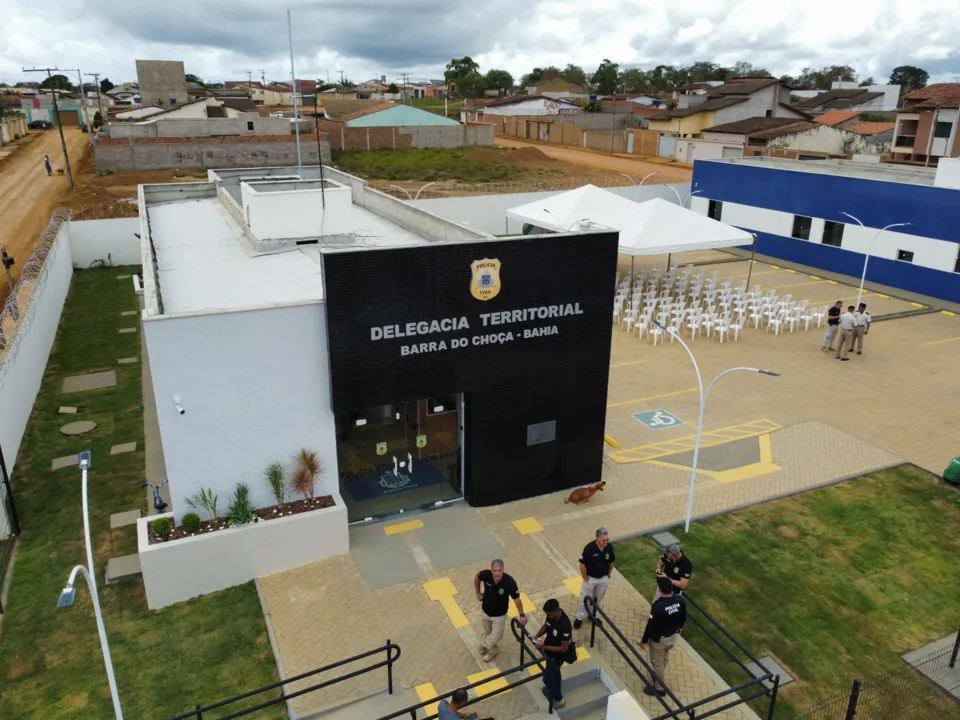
293 87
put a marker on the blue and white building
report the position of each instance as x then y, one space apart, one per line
796 208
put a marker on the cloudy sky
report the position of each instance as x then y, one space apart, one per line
223 39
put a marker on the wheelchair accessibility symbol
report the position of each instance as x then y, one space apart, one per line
658 419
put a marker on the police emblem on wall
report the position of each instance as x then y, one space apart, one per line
485 283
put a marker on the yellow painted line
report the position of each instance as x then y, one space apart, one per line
774 267
454 613
814 277
940 342
948 313
528 606
488 687
684 444
918 305
745 472
403 527
527 526
427 692
437 589
792 272
632 362
833 282
652 397
573 585
781 287
610 441
882 296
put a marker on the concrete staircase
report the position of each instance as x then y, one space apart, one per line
369 705
586 687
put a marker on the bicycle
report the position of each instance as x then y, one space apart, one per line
158 504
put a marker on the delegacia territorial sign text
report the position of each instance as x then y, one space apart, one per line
488 320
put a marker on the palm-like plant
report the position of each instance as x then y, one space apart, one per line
275 476
241 510
205 500
309 468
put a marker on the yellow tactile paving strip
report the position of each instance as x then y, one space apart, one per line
765 466
403 527
683 444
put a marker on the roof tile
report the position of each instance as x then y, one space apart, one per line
835 117
932 96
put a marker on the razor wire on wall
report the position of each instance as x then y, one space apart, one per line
20 306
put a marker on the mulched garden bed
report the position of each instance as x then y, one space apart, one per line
268 513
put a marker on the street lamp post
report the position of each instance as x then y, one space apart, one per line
866 259
638 184
683 202
69 592
417 196
704 394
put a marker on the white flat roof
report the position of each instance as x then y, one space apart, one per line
884 172
204 264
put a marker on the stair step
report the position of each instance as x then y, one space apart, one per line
584 699
367 706
121 568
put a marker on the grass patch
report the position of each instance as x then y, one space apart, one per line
50 661
836 583
427 164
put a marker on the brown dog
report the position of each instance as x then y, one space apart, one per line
584 494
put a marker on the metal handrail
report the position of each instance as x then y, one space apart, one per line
389 647
521 634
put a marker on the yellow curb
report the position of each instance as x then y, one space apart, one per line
774 267
948 313
454 613
403 527
489 687
792 272
573 585
527 526
426 692
814 277
528 606
438 589
918 305
610 441
882 296
832 282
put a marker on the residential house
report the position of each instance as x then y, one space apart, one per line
737 99
524 105
412 90
837 118
472 109
125 94
877 136
871 98
927 124
393 115
808 140
196 91
688 95
558 89
196 109
252 90
278 94
437 89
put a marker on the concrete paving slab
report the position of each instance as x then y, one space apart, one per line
127 330
127 360
933 661
65 461
383 560
720 457
128 313
772 666
68 410
474 541
124 567
123 448
79 427
665 538
123 277
89 381
123 519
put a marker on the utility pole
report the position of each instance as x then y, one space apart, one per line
263 78
56 111
341 83
933 131
250 77
96 79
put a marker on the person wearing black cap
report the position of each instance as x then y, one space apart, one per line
559 634
667 616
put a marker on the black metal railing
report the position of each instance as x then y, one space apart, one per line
392 651
754 687
522 636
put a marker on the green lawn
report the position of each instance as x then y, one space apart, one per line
50 661
429 164
836 583
436 105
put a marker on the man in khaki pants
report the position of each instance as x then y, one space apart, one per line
848 325
498 588
863 327
667 616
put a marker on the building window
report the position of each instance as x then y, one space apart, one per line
833 233
249 124
956 268
442 405
801 227
942 130
905 255
715 210
769 113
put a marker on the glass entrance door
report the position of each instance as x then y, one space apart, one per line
399 457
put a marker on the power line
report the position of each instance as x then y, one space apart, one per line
56 111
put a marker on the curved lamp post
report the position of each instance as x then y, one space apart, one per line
417 196
642 181
866 258
69 592
404 190
704 394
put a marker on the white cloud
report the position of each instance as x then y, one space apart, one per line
223 39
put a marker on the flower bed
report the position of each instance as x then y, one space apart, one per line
274 512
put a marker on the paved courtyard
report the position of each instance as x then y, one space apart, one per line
763 437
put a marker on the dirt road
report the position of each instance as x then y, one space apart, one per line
28 196
617 163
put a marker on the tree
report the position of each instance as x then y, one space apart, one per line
97 120
704 70
56 82
106 85
574 75
868 82
499 80
823 79
745 69
392 88
461 71
191 78
909 78
606 77
593 107
635 80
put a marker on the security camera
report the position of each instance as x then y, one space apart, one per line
176 402
181 411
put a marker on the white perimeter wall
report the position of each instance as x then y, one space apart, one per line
255 385
621 706
928 252
488 213
95 239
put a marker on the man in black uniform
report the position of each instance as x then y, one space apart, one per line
498 588
558 636
596 568
675 566
667 616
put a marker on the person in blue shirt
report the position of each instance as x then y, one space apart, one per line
450 709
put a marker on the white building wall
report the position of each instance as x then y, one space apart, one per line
928 252
297 213
534 106
92 240
691 150
255 386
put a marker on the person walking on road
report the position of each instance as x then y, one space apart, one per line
863 327
676 567
848 324
833 325
667 617
498 588
557 635
47 165
596 569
